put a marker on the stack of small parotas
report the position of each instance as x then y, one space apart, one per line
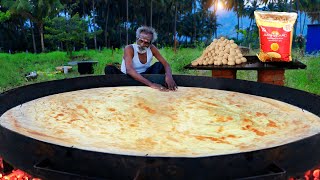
220 52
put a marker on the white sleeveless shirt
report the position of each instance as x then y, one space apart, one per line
137 65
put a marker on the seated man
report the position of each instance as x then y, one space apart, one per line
137 60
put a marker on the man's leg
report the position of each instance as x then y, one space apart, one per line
156 68
110 69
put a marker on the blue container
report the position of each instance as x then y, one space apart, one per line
313 38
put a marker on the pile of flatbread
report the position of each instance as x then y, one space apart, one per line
220 52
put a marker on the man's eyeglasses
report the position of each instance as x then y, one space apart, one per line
146 42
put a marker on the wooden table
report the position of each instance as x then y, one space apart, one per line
268 72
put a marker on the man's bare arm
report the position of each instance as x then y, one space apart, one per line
128 55
169 79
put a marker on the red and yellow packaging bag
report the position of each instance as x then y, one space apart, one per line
276 33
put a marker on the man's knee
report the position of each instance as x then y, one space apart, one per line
162 71
160 68
158 64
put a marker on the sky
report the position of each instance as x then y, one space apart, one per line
228 20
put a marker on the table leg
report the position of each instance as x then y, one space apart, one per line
232 74
271 76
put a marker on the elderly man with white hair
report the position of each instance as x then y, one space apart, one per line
137 60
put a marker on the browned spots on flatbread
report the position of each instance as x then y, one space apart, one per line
243 146
170 108
217 140
272 124
224 119
39 134
82 108
173 117
74 116
72 120
229 118
15 123
146 142
246 127
233 95
187 133
182 151
209 103
172 139
246 120
60 131
259 114
111 109
220 119
146 108
252 129
306 126
58 115
13 119
220 129
133 125
231 101
231 136
296 122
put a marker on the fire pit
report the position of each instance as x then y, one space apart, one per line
52 161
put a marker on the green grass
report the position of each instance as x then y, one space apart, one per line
308 79
13 67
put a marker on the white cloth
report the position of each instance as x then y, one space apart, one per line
136 63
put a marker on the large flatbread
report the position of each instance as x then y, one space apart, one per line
192 122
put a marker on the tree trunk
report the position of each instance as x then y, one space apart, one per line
145 18
33 38
40 26
120 32
238 25
94 25
290 5
151 14
69 49
216 27
127 35
106 26
249 31
215 15
194 22
84 36
175 29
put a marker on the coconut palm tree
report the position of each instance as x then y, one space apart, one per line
36 11
238 7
